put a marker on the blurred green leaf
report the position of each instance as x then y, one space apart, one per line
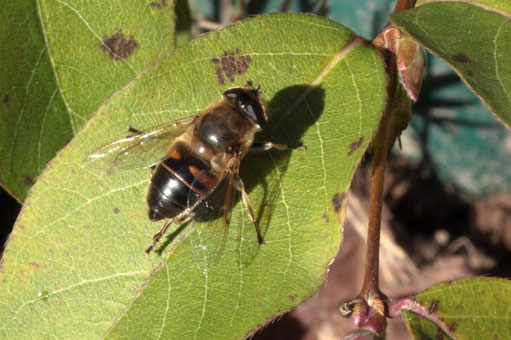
55 71
75 266
473 37
477 308
183 22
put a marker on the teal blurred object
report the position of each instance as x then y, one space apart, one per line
452 134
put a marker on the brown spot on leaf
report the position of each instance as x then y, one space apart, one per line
35 265
470 73
230 64
461 58
355 145
119 46
453 326
28 180
73 171
337 201
158 5
433 308
325 218
291 297
116 210
6 98
439 333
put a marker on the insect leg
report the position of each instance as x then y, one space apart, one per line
241 187
159 235
265 146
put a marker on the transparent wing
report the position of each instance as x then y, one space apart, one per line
140 149
209 238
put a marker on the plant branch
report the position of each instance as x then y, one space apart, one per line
370 289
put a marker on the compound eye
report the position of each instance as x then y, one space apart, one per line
244 100
232 94
254 111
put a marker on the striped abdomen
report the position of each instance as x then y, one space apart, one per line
178 182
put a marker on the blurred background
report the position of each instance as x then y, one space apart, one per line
447 212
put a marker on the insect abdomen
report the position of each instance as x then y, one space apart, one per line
178 182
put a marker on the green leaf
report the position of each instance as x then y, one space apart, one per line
477 308
55 72
75 265
473 37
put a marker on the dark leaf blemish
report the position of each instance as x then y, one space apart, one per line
439 333
325 218
461 58
230 64
291 297
470 73
337 201
6 98
434 307
453 327
158 5
35 265
355 145
119 46
116 210
28 180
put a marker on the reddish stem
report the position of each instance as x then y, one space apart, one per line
370 291
403 5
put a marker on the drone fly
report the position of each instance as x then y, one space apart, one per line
202 152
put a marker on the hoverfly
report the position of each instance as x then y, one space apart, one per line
202 152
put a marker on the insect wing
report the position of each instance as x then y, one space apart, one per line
141 149
209 239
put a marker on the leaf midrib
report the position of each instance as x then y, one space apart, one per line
483 6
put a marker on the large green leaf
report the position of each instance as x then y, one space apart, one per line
55 71
477 308
473 37
75 266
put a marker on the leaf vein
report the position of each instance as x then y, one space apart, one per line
496 59
168 301
81 283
